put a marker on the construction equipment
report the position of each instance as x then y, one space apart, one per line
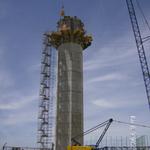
77 146
140 47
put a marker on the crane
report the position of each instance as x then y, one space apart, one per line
140 47
77 145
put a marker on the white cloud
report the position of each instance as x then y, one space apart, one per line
90 65
20 105
20 118
117 52
17 102
10 99
107 60
108 77
103 103
111 103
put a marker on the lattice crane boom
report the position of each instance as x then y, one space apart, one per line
140 47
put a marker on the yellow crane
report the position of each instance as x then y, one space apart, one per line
77 146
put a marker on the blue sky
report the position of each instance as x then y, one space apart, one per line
113 83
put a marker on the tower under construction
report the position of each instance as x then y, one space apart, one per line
70 40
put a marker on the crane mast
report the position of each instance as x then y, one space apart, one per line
140 47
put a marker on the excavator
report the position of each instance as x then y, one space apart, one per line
77 146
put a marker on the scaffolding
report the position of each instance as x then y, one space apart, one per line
46 103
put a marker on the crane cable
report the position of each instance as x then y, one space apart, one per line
105 123
142 12
91 129
135 124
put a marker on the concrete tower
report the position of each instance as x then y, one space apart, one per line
70 40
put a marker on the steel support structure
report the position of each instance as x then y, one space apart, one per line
140 47
45 117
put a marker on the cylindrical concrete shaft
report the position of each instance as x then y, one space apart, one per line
69 121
